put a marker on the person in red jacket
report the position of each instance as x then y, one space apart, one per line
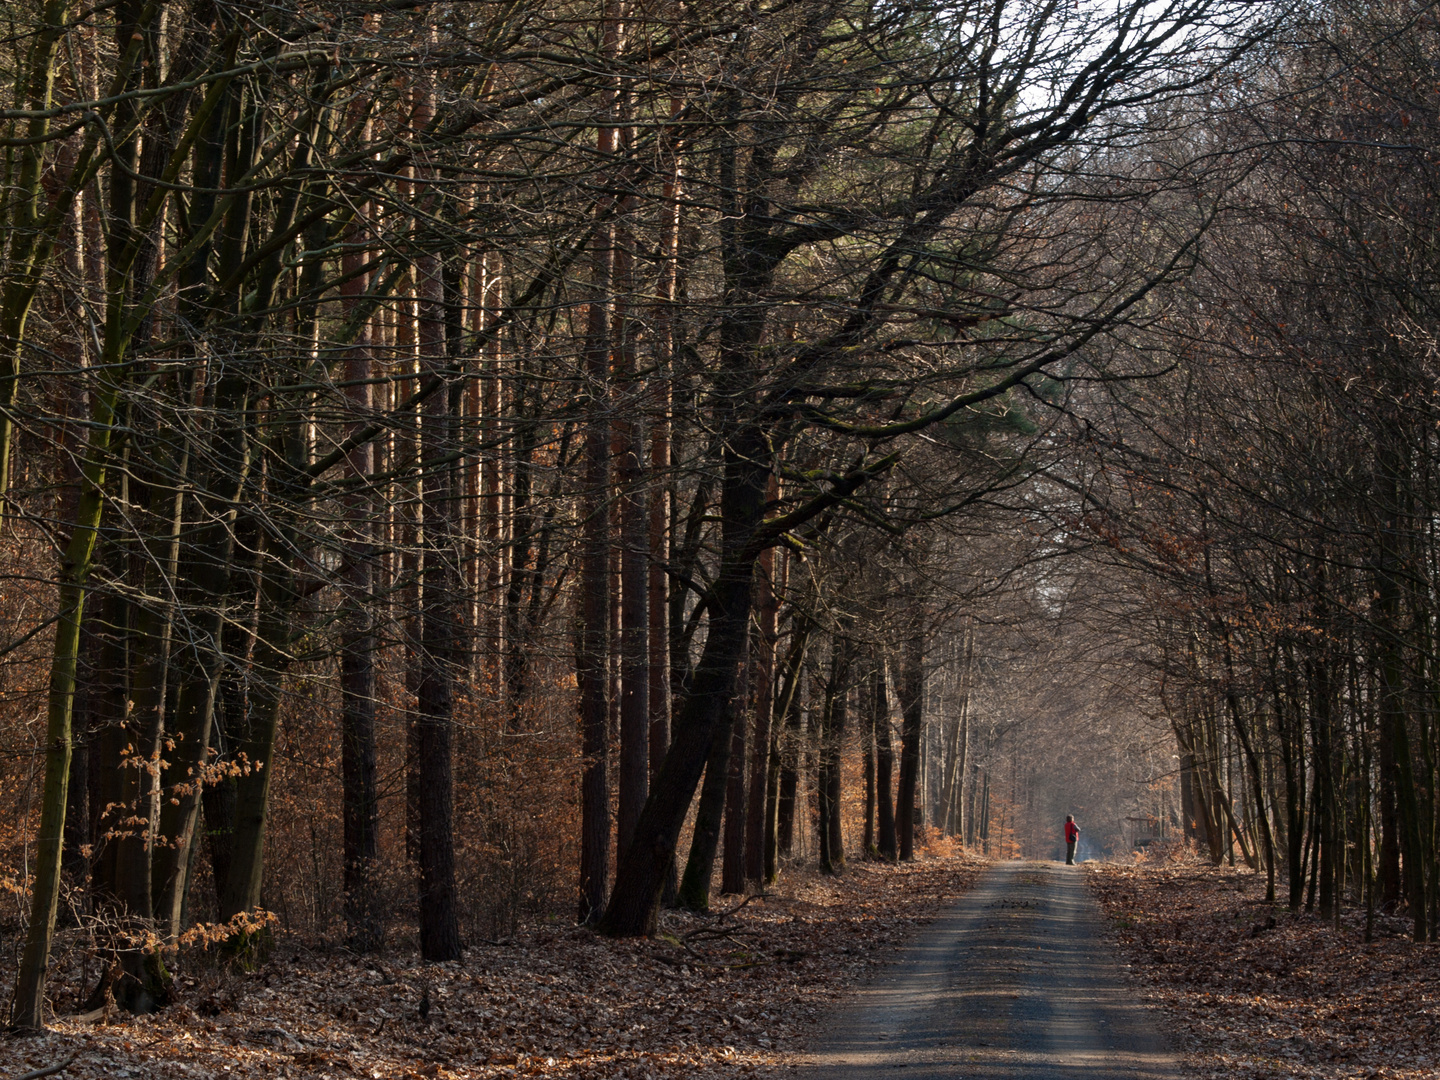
1072 837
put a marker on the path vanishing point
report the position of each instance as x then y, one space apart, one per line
1016 982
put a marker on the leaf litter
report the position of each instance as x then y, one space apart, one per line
1255 992
731 994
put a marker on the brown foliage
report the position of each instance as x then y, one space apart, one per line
1257 992
722 995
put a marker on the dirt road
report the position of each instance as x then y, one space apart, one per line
1015 982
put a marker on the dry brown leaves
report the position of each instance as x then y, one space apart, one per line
1299 999
720 995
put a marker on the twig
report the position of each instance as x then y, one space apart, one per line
274 1033
786 956
736 909
709 933
49 1070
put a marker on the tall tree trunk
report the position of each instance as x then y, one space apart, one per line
732 866
1394 734
694 891
440 593
832 732
255 743
661 483
954 765
867 766
779 738
593 646
1290 729
522 577
791 735
911 689
360 797
634 644
592 649
1388 868
761 678
28 1002
888 843
218 799
144 985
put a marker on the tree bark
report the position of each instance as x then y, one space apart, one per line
592 649
732 866
887 839
791 737
912 708
635 903
867 766
358 767
694 891
256 744
27 1009
635 645
829 787
761 678
440 592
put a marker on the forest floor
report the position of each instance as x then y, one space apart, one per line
1249 999
725 995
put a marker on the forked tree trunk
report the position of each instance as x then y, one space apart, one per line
635 903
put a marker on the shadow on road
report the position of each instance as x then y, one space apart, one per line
1016 981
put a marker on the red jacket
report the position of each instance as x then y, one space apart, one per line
1072 832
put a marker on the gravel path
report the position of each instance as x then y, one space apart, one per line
1016 981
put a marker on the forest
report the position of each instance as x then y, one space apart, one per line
471 463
